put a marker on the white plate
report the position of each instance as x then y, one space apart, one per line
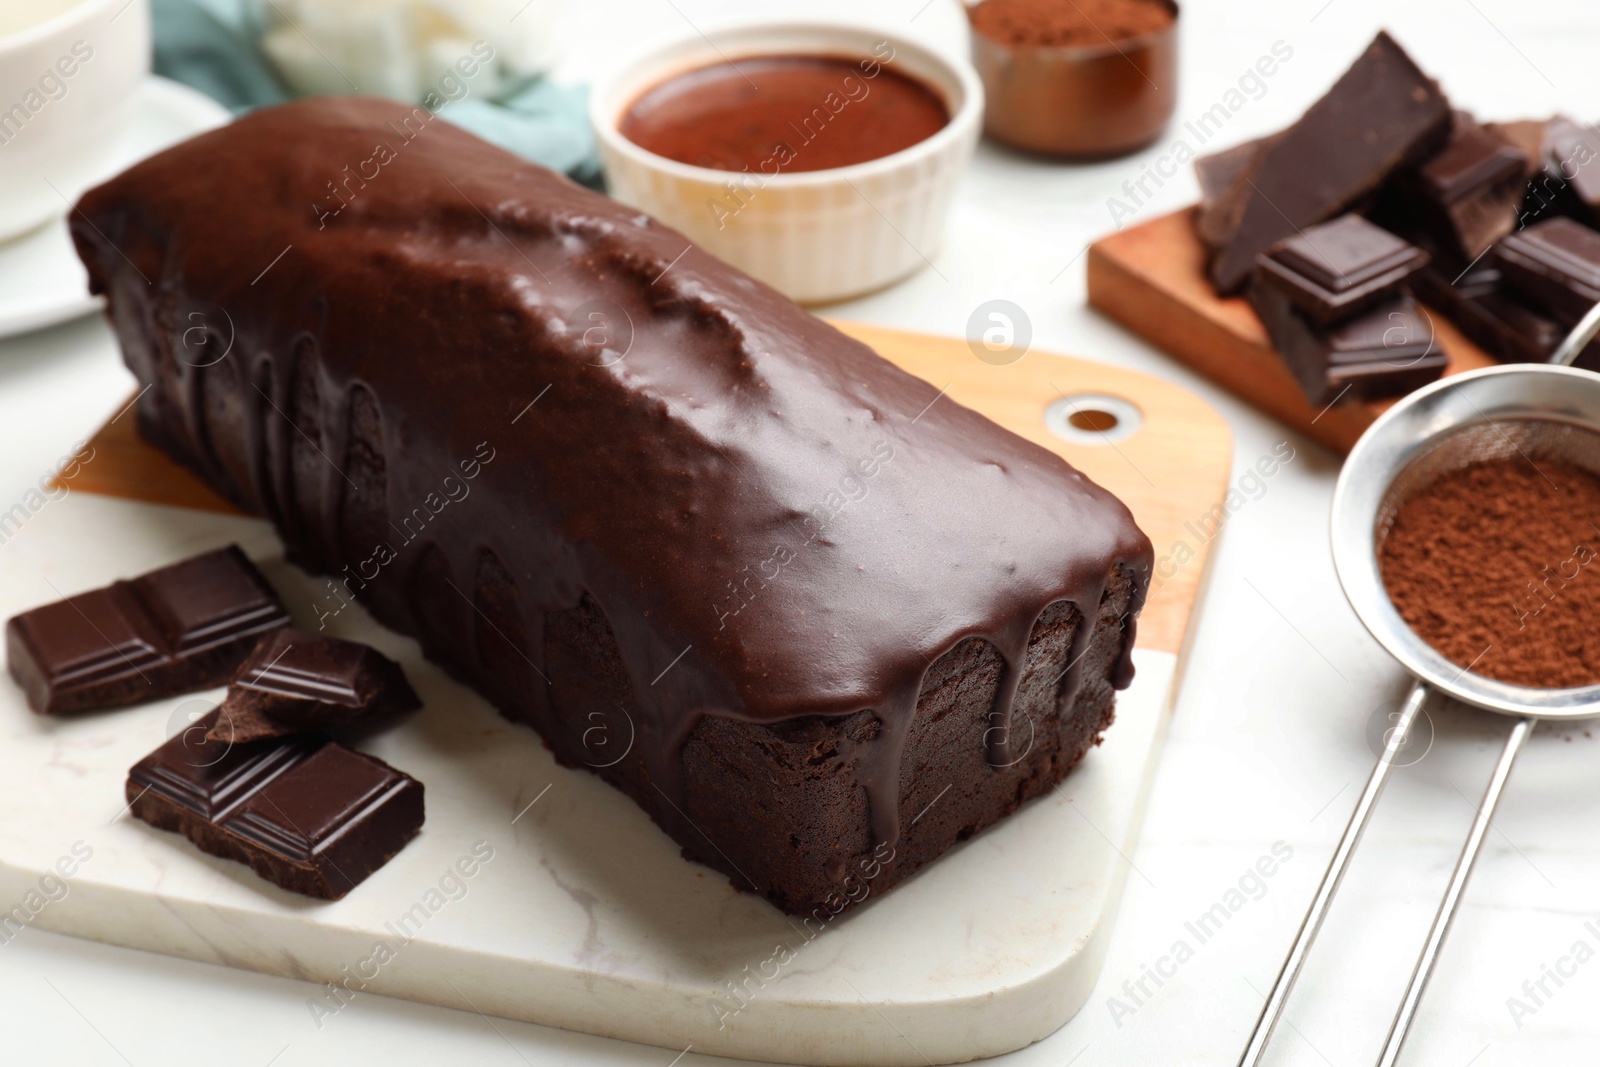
41 281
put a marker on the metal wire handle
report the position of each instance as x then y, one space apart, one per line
1272 1011
1452 896
1578 339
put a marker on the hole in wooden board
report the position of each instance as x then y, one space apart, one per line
1092 418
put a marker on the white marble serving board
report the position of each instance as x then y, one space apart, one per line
586 916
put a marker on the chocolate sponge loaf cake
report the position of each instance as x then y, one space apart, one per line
817 619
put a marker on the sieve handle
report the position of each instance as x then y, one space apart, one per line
1578 339
1273 1009
1458 884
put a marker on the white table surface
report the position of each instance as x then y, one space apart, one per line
1270 739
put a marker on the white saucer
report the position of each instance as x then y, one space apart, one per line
41 281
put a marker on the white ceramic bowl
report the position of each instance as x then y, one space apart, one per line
815 235
67 84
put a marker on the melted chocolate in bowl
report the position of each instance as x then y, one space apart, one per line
777 114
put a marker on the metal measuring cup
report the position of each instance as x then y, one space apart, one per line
1548 411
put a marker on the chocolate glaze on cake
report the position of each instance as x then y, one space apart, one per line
582 439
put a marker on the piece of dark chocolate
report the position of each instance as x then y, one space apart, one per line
207 778
323 826
1530 137
1468 196
1382 114
1502 326
1575 156
1388 351
1555 264
303 812
1500 322
1555 159
1222 178
1336 270
174 630
1449 289
295 681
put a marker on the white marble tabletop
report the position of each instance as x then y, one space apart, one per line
1270 743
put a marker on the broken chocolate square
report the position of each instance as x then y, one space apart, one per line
1387 351
1575 156
171 631
295 681
303 812
1557 160
1223 185
323 826
1556 264
1497 320
1468 196
1338 269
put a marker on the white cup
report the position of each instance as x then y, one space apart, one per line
68 74
819 235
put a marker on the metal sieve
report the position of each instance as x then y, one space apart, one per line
1536 411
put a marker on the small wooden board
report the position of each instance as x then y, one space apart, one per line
123 464
1151 278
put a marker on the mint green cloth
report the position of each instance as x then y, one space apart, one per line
210 45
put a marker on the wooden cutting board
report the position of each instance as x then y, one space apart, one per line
586 916
1151 279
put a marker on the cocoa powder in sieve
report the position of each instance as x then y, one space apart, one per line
1052 23
1494 565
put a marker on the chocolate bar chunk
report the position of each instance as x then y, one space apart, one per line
174 630
1530 137
1434 286
1338 269
1500 324
193 773
1387 351
1382 114
303 812
1555 159
1222 184
1556 264
1469 194
1575 156
295 681
1496 319
327 823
